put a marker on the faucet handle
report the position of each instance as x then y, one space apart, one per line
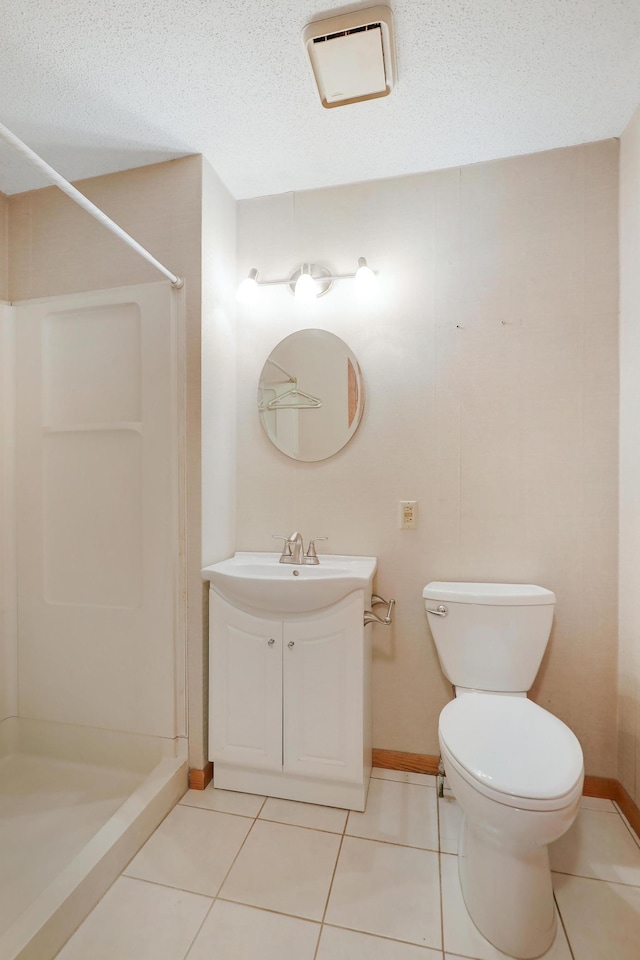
311 549
286 546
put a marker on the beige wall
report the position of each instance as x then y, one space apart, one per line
629 652
218 415
8 640
8 592
4 248
490 361
56 248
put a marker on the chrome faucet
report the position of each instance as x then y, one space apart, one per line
293 549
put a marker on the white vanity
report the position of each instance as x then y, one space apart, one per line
289 677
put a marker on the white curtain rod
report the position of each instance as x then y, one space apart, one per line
82 201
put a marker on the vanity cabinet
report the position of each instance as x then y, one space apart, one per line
289 702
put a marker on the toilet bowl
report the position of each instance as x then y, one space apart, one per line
516 771
514 768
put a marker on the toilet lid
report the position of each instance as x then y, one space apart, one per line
512 746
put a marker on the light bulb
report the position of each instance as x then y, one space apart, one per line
306 289
365 278
247 291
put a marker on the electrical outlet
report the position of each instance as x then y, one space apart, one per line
408 514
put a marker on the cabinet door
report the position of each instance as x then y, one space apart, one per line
245 687
323 690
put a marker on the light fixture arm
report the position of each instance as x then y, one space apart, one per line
323 278
286 283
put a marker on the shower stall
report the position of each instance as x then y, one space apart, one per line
92 628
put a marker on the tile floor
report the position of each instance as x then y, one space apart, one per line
230 876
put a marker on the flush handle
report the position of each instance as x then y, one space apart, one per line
271 642
441 611
290 644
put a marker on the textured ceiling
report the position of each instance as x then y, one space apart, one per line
101 85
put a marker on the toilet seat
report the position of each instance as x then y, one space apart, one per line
511 750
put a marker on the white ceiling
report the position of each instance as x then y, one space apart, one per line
101 85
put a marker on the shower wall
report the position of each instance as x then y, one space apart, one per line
55 249
181 212
97 510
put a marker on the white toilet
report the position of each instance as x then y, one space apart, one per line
514 768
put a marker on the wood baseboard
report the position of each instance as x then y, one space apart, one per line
628 807
603 787
198 779
409 762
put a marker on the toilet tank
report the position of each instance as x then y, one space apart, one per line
493 635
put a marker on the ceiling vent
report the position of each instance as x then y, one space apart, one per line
352 56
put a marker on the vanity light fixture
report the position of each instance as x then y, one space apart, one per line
247 291
308 282
365 277
306 289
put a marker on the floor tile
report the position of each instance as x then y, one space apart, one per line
233 931
339 944
192 849
309 815
461 936
136 919
602 919
284 868
224 801
398 813
597 803
384 903
597 846
403 776
389 890
449 820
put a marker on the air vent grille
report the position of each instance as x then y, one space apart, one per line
352 56
347 33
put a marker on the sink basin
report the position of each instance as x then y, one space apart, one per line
258 581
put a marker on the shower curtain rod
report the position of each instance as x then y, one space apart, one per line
86 204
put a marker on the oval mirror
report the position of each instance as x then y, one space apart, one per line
310 395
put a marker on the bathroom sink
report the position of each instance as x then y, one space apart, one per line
260 582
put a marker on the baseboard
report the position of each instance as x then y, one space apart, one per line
628 807
409 762
198 779
604 788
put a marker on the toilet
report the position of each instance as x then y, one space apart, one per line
515 769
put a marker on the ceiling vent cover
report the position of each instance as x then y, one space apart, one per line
352 56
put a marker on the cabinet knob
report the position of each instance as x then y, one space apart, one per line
271 642
291 643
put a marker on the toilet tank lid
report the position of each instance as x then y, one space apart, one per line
499 594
